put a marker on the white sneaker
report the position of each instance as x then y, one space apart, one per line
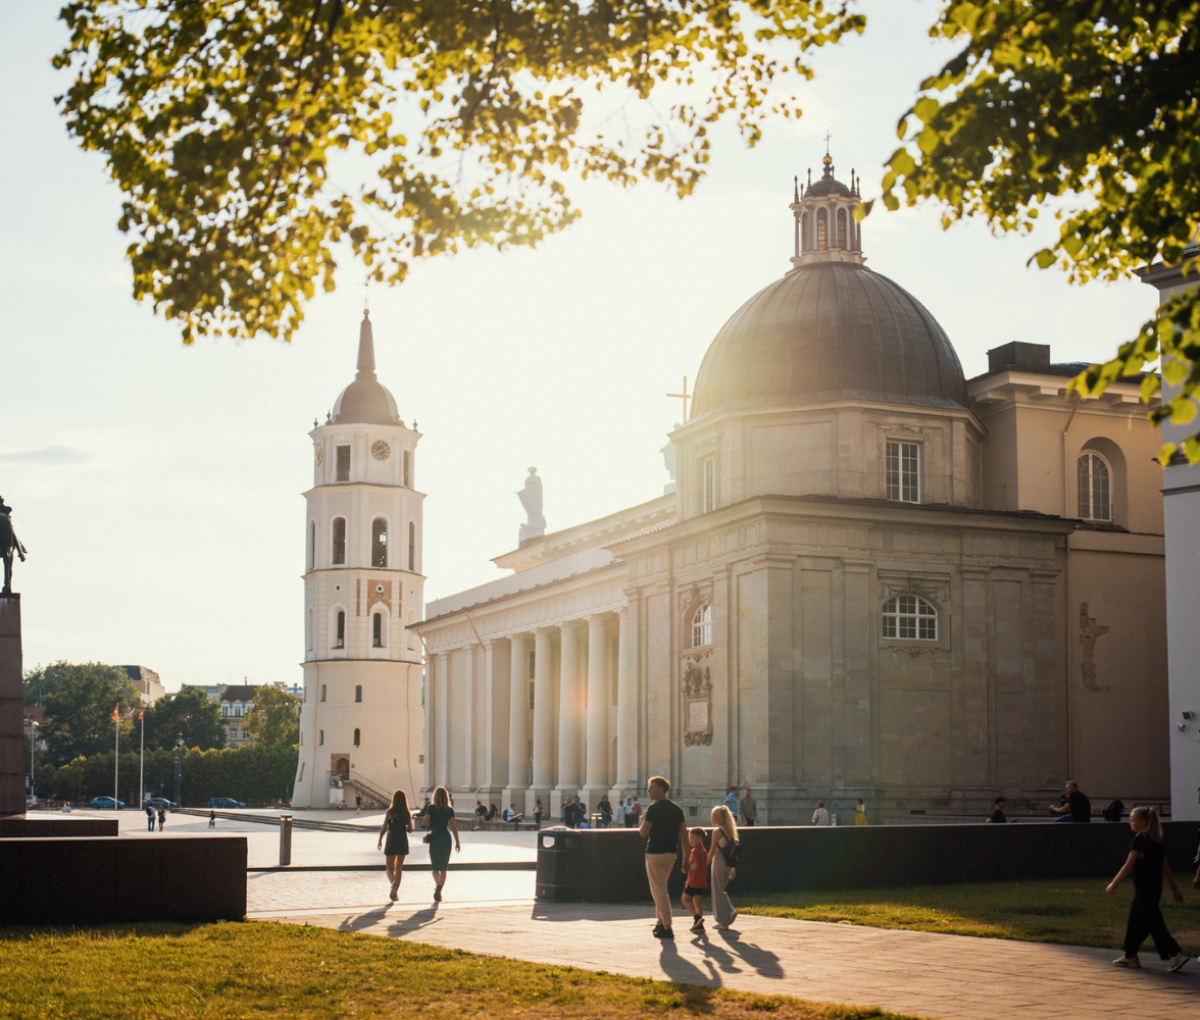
1177 961
1132 962
734 917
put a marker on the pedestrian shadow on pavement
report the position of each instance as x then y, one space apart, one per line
396 926
765 963
683 971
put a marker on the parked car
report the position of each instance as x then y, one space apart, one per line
107 802
162 802
225 802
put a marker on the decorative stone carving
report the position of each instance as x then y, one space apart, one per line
931 586
1088 633
697 706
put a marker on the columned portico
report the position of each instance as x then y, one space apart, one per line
597 777
543 717
572 696
518 720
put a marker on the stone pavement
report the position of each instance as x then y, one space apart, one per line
947 976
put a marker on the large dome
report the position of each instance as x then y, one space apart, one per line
830 331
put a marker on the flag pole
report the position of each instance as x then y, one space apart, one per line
117 760
142 761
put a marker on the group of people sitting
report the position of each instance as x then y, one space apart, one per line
492 814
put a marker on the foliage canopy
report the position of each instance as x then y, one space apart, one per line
79 706
1091 109
189 715
274 718
221 119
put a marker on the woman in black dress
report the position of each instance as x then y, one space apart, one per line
397 824
1147 863
441 824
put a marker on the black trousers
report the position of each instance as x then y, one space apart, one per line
1145 918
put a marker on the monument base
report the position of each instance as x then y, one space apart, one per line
12 720
55 827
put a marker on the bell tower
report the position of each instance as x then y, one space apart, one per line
826 230
361 721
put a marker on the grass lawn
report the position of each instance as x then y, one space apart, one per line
256 969
1075 911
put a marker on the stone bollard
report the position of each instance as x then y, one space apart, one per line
285 840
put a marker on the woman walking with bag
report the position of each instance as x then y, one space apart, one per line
724 844
441 823
397 824
1147 863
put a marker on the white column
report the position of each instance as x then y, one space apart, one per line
572 695
430 702
496 678
468 751
518 720
441 776
543 713
627 777
597 711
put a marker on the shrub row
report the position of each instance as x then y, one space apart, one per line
251 773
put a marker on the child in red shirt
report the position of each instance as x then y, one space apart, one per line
696 869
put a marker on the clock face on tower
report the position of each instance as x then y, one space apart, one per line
380 450
320 454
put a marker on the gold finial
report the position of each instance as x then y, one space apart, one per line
827 159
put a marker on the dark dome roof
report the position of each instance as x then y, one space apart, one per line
830 331
366 399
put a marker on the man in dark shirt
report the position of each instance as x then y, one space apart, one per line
997 815
664 828
1077 807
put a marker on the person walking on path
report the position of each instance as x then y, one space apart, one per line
860 813
150 816
620 814
631 819
605 809
162 817
212 819
821 815
397 824
441 824
358 803
696 869
1147 863
748 809
664 829
1075 808
998 817
724 838
731 801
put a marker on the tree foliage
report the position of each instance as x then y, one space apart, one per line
220 121
1090 109
274 718
189 715
79 706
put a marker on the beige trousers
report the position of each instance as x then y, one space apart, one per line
658 870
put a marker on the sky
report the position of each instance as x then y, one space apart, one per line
158 487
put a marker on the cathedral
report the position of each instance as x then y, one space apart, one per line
873 577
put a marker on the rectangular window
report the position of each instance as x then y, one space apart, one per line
532 665
343 463
710 484
406 460
904 472
531 695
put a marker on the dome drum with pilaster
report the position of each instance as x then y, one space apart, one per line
831 329
366 400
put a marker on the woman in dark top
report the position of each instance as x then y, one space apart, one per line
397 824
493 813
1147 863
441 823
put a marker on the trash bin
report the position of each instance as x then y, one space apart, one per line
559 865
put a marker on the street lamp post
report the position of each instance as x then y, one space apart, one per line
33 762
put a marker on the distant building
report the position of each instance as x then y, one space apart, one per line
147 682
236 702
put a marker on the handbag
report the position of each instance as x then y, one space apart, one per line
733 853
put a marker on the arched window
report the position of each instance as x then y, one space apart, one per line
804 232
357 737
322 692
841 222
1095 488
321 738
412 545
910 617
379 543
822 230
702 627
358 692
312 545
339 540
377 631
340 641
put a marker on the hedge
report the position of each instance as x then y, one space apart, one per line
251 773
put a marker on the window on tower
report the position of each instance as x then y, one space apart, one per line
343 463
804 245
312 545
357 737
379 543
406 470
412 545
339 541
841 222
358 692
822 236
709 500
341 630
377 631
904 472
321 737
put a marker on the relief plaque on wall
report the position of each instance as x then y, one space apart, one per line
697 705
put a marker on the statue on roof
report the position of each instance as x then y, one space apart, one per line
531 500
9 544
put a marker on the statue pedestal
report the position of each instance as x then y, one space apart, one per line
528 534
12 743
